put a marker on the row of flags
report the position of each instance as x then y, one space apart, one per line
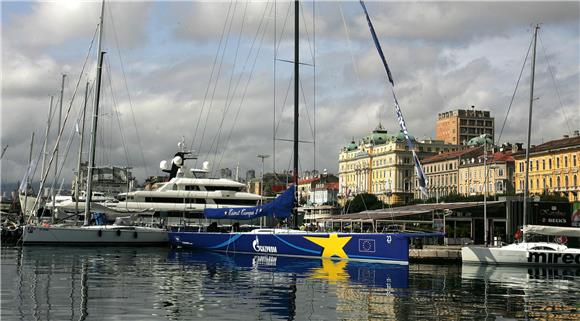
418 169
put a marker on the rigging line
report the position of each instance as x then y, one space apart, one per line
551 69
284 26
314 77
211 75
306 30
139 144
52 157
274 93
248 82
115 112
306 107
229 98
217 80
253 45
515 91
283 108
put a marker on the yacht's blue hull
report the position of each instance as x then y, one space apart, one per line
385 248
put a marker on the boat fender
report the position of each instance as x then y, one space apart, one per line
518 234
561 239
135 234
11 226
100 233
118 232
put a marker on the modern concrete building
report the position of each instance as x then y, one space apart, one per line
382 164
554 168
461 125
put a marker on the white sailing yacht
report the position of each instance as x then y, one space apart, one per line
528 253
115 234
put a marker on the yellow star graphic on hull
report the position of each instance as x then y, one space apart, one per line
332 245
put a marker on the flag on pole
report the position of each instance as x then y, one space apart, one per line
422 179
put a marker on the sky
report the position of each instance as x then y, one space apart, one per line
214 75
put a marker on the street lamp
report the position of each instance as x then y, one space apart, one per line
262 157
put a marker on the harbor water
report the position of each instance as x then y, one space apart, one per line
157 283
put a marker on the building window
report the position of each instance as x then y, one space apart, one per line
550 163
543 164
565 161
537 165
537 183
544 183
558 182
522 167
500 172
574 160
550 182
557 162
574 181
566 181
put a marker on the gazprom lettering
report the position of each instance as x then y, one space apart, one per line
263 248
553 258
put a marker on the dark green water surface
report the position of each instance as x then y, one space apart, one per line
110 283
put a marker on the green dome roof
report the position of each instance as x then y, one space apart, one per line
401 136
480 140
351 146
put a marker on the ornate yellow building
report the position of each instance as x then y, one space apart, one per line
554 167
382 164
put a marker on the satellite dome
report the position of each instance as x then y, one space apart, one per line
177 160
163 165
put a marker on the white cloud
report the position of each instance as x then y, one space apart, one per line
443 56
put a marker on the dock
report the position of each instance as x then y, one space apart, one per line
436 254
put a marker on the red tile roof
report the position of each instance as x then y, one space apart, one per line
451 155
551 145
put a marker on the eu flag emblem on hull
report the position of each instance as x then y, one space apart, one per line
366 245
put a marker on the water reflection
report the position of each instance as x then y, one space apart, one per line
281 286
67 283
531 292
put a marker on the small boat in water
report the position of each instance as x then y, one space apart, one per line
528 253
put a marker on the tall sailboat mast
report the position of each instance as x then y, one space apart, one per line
296 103
91 164
80 158
527 163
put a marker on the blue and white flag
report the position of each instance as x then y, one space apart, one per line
420 174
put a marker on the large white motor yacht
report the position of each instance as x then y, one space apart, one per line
188 190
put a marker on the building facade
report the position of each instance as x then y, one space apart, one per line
382 164
442 171
459 126
554 167
500 174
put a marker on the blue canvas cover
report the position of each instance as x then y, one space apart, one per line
281 207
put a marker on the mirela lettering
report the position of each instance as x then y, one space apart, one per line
263 248
553 258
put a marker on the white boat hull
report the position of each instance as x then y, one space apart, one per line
537 253
97 235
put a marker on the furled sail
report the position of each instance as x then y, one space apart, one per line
420 174
552 230
281 207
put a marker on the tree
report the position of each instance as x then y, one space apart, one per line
363 202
